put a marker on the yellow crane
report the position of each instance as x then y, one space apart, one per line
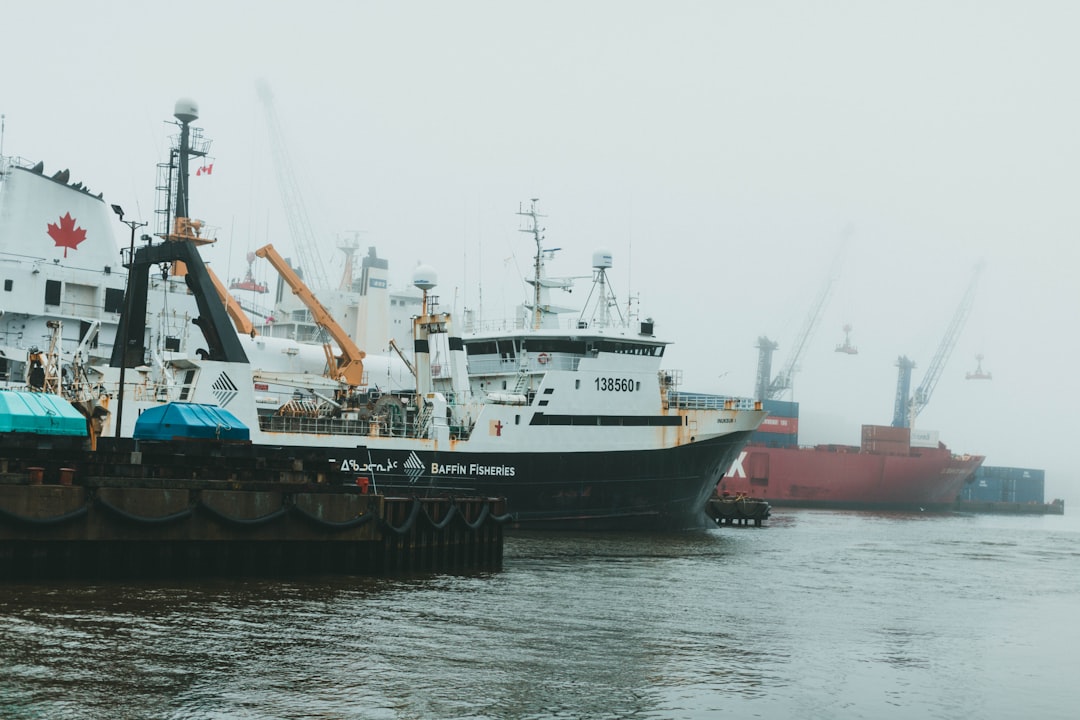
347 367
239 318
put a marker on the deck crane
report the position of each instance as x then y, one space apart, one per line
400 354
239 318
908 407
303 236
349 366
771 390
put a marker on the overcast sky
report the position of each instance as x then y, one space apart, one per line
720 150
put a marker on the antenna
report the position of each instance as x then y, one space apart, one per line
425 278
605 294
537 232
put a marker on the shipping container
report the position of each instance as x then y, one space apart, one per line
779 425
1006 484
774 440
984 488
886 432
886 447
781 408
924 438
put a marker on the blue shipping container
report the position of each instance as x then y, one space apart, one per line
1006 484
781 408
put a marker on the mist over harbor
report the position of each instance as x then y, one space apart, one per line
721 151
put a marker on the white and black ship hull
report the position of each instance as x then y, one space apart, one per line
657 489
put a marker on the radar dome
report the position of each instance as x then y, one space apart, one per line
186 110
425 277
601 259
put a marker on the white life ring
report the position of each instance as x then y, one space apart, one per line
543 358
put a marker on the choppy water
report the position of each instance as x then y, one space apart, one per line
820 615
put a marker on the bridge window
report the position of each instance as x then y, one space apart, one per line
52 292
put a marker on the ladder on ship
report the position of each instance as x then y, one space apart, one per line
522 383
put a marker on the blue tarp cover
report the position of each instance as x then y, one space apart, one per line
42 413
189 421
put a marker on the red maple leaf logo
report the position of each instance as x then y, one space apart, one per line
66 235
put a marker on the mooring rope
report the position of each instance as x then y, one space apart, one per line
160 520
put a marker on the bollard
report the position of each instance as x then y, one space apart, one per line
66 475
37 474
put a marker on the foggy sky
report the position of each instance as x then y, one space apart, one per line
720 150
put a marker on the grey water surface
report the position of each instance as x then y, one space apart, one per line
818 615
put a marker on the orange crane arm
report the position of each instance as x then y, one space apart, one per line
236 313
349 368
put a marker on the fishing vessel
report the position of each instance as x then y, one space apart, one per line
892 468
576 427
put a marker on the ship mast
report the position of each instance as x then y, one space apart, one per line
174 198
536 231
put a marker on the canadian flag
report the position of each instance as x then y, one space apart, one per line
205 170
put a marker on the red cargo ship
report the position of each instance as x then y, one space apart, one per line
893 469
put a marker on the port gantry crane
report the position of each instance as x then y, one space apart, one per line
771 390
908 405
292 200
348 368
846 347
979 373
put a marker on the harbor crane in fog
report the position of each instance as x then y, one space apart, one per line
846 347
979 373
292 200
908 405
771 390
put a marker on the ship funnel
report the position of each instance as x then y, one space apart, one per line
186 110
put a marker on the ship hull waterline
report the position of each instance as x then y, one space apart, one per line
614 490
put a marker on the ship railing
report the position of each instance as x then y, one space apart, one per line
702 401
319 425
7 162
159 392
517 323
533 363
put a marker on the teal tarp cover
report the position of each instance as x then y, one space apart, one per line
41 413
189 421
